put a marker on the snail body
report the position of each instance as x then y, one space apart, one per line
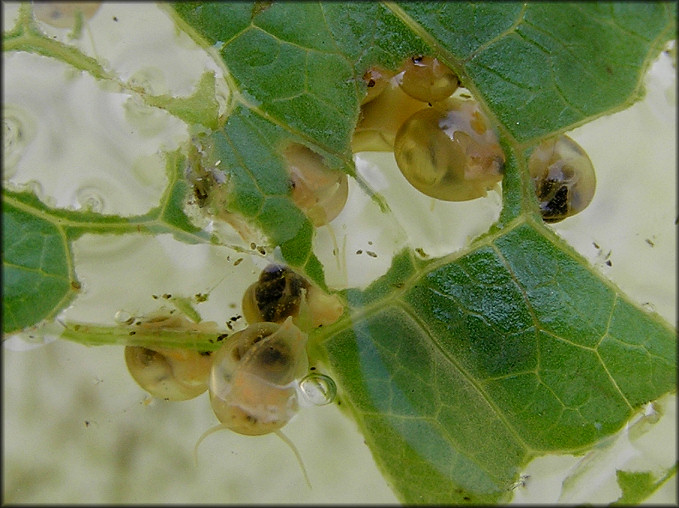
254 376
281 293
563 178
254 382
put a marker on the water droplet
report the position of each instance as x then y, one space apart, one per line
89 198
318 389
123 317
18 130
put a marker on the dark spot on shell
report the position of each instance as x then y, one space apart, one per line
553 195
279 292
274 357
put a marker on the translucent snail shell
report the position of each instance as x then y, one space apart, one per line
375 79
280 293
426 79
319 191
391 99
450 151
381 117
253 380
170 374
563 177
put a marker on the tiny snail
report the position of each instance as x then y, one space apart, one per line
254 381
170 374
381 117
376 79
254 376
319 191
280 293
563 177
426 79
450 152
63 14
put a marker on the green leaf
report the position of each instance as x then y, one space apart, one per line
459 370
462 370
296 69
545 68
199 108
37 272
637 486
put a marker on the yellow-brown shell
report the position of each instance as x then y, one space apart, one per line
170 374
319 191
450 151
426 79
254 376
280 292
563 177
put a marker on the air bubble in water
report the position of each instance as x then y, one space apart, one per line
90 199
18 130
123 317
318 389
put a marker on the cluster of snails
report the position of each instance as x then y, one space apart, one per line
253 379
445 146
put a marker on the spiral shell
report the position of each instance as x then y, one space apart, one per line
280 293
319 191
426 79
170 374
375 79
381 118
450 152
254 377
563 177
